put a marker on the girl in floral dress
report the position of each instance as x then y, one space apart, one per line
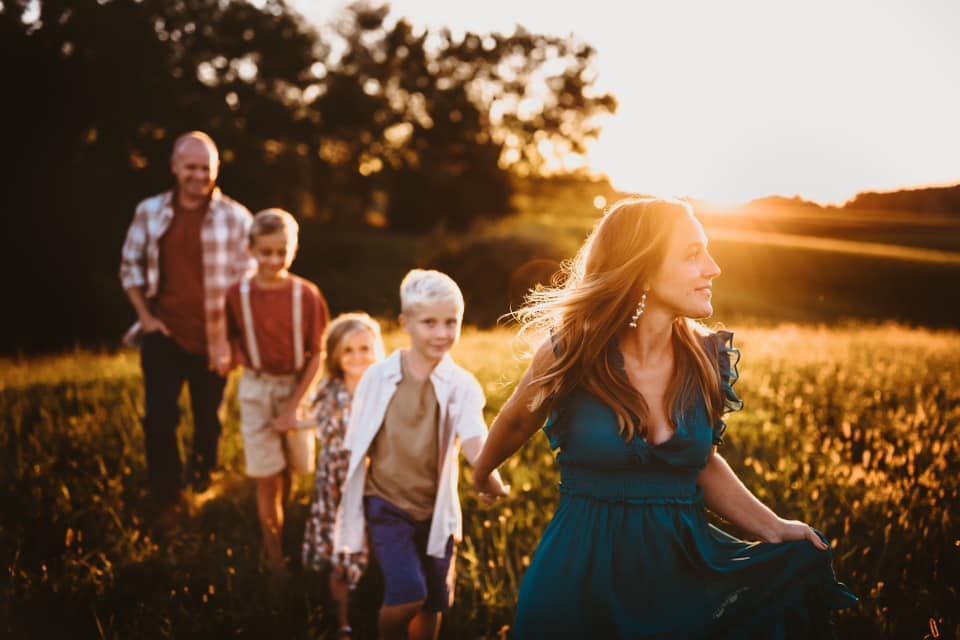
353 343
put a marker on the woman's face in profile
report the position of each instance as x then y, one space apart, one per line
683 283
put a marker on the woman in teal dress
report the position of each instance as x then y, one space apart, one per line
633 392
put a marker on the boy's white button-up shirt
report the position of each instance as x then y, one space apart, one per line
460 399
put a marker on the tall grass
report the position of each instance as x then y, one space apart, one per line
854 429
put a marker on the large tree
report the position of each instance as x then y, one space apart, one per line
445 115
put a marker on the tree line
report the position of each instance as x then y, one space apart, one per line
365 122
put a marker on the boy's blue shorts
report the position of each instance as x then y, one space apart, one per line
400 546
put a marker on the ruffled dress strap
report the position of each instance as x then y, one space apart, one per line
720 346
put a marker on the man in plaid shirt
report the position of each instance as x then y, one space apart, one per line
183 250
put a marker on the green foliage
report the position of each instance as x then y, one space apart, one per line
433 118
854 430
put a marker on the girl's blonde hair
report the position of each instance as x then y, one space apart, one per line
342 326
595 298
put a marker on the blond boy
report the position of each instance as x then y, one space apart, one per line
410 415
275 323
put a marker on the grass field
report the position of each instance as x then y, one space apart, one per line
850 423
853 428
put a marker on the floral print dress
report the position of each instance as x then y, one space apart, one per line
332 410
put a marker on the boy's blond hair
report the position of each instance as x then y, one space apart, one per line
269 221
427 286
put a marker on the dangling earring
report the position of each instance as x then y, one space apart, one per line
639 312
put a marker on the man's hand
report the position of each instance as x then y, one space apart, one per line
151 324
221 359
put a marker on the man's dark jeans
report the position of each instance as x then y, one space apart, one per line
166 366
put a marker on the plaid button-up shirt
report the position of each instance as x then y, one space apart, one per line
224 233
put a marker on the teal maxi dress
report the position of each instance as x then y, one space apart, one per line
630 552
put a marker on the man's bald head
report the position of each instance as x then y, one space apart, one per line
195 163
194 140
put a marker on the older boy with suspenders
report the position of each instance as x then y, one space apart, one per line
276 322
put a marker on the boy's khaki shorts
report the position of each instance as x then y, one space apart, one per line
269 452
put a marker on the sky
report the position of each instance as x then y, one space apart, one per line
734 100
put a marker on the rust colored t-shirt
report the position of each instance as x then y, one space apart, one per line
272 311
179 303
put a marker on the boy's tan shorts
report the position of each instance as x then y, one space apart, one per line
268 452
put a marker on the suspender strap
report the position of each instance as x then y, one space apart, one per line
297 325
250 333
248 330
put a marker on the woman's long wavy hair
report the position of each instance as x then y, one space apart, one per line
595 296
